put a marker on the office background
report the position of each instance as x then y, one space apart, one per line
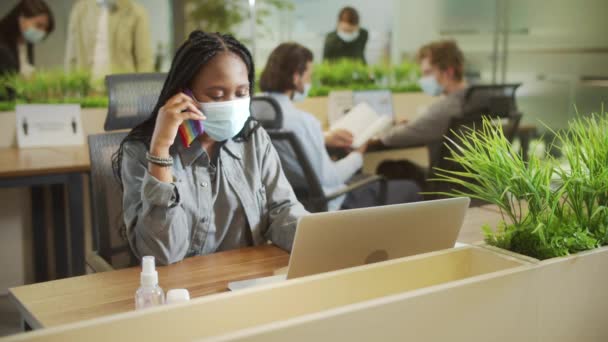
556 48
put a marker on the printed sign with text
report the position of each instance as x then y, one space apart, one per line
41 125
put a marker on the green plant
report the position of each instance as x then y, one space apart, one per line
406 72
549 210
347 74
53 87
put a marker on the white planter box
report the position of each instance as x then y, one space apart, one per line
572 296
441 295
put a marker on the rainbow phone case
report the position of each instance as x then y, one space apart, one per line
190 129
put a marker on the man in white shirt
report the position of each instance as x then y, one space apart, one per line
287 78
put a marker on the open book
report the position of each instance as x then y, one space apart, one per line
363 122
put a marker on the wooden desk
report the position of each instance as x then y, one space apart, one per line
101 294
62 169
16 162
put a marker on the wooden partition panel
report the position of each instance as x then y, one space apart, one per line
227 313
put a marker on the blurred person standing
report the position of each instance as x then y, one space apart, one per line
109 36
348 40
28 23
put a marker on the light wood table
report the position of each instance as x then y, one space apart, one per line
62 169
25 162
102 294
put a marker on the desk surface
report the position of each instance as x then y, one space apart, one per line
101 294
24 162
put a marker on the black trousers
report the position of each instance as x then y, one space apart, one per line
397 191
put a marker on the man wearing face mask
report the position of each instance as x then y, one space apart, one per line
348 40
108 36
28 23
287 78
442 74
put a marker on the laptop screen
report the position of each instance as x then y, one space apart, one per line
380 100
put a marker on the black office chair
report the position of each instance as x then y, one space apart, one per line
131 98
112 247
267 112
302 177
495 102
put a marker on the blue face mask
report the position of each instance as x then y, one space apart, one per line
225 119
430 85
297 96
33 35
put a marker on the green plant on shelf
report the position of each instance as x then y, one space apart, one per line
550 210
53 87
347 74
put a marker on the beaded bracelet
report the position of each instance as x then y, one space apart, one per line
165 162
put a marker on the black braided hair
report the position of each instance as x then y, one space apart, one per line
195 52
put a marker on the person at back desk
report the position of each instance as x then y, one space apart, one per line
442 74
28 23
286 78
348 40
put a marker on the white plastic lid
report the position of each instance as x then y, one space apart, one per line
149 276
177 296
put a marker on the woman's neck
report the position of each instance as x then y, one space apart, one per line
209 145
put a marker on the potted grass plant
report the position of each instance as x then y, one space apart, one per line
554 210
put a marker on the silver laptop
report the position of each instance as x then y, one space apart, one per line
335 240
381 100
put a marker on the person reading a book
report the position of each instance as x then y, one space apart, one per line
223 190
287 78
442 64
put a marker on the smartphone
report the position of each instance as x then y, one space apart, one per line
190 129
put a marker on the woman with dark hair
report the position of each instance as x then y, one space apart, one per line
287 77
349 38
28 23
223 190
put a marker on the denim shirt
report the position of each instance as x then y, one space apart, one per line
252 201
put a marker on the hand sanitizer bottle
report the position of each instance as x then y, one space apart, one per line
149 293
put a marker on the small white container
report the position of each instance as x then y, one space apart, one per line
177 296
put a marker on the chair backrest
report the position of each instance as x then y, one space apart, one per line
496 102
267 112
494 99
298 170
106 195
132 98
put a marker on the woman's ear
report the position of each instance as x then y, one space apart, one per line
449 72
297 79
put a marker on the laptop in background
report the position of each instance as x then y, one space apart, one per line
380 100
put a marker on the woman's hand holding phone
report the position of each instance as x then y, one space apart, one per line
176 110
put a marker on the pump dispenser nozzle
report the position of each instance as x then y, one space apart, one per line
149 276
149 294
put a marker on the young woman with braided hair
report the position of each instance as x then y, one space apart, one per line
226 188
